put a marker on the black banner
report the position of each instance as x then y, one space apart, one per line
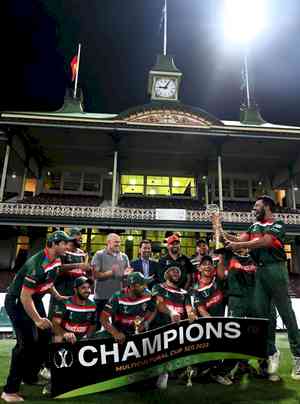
95 365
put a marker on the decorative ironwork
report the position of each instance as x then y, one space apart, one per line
22 209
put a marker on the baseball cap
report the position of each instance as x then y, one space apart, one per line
171 267
81 280
138 277
58 236
75 231
172 239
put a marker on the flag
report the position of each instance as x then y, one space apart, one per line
74 66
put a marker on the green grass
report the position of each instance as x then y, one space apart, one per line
248 391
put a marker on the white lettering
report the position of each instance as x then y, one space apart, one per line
211 329
104 354
199 328
81 358
181 336
130 350
155 347
169 336
232 330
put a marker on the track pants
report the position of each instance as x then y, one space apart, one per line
272 286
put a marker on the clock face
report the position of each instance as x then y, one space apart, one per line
165 88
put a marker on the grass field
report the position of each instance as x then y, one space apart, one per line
248 391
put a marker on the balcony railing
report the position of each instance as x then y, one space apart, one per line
22 209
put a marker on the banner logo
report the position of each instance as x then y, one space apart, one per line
63 359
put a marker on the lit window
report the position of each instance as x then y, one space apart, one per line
132 184
158 186
183 186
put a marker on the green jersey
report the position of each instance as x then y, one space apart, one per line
175 299
124 309
76 318
273 253
65 281
210 297
37 274
240 275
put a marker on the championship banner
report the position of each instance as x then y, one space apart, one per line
95 365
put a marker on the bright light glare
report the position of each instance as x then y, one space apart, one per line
243 19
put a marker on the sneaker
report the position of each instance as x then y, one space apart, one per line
274 378
11 398
47 389
45 374
296 369
221 379
273 363
162 381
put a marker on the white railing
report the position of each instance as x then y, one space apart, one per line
22 209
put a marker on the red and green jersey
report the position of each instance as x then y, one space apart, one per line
210 297
65 281
76 318
240 275
37 274
175 299
124 309
274 253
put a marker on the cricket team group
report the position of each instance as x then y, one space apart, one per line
247 278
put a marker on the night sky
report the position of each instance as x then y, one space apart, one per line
120 40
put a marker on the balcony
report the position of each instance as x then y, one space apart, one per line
40 214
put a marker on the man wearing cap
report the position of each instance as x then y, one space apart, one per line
265 240
110 267
75 318
175 258
25 308
173 304
130 310
74 264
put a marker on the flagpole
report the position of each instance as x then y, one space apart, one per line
165 28
247 77
77 71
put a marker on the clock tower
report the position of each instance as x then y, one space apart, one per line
164 80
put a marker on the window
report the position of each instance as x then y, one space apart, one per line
241 188
72 181
53 181
158 186
183 186
91 182
132 184
225 187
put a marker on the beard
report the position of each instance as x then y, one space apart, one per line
260 215
175 250
81 296
77 243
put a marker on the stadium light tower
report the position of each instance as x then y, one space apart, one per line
243 21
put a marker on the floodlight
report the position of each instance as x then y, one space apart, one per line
243 19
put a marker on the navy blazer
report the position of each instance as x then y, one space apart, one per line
153 269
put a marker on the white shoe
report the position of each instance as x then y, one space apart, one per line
11 398
162 381
273 363
296 369
221 379
274 378
45 374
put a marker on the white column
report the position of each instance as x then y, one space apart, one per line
4 172
21 196
206 191
294 205
114 183
220 182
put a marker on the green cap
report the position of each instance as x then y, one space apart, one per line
75 231
59 235
139 278
81 280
